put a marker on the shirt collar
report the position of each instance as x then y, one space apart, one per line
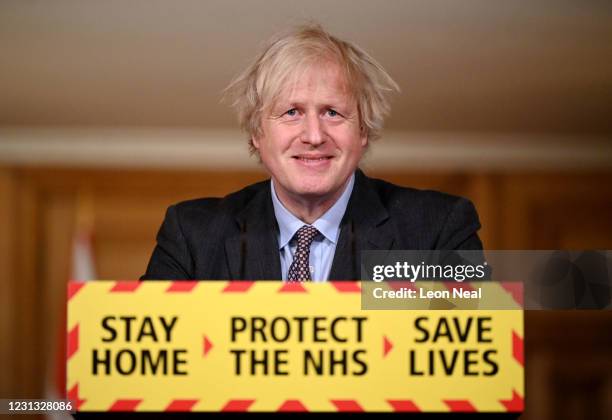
328 224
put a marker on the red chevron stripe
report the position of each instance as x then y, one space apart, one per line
125 405
292 405
515 404
73 342
464 406
237 405
293 287
182 286
73 395
403 406
517 348
397 285
347 405
346 286
74 287
515 288
181 405
238 286
452 285
125 286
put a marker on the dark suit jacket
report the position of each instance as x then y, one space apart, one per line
235 237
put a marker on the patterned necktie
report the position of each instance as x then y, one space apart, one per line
300 267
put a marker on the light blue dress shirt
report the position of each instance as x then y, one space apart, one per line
323 247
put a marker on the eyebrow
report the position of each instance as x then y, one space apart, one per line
297 104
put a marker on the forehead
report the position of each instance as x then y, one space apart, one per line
317 82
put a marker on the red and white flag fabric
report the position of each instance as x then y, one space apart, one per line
82 268
83 265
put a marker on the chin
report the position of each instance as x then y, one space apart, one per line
317 190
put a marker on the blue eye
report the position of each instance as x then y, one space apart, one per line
332 113
292 112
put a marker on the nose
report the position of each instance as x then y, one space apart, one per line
313 130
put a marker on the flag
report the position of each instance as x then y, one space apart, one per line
82 268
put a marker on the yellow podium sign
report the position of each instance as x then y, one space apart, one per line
272 346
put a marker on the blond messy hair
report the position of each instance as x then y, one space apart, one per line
258 87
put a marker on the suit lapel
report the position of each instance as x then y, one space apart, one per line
252 252
365 226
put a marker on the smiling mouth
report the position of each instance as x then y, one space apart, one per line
312 159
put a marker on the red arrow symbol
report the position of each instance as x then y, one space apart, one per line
207 346
387 345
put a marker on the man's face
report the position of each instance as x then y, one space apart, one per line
311 140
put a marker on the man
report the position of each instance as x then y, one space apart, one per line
311 105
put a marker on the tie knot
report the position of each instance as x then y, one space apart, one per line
305 235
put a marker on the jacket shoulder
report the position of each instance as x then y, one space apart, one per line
230 205
402 199
430 219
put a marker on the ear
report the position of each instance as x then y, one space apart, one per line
255 141
364 138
